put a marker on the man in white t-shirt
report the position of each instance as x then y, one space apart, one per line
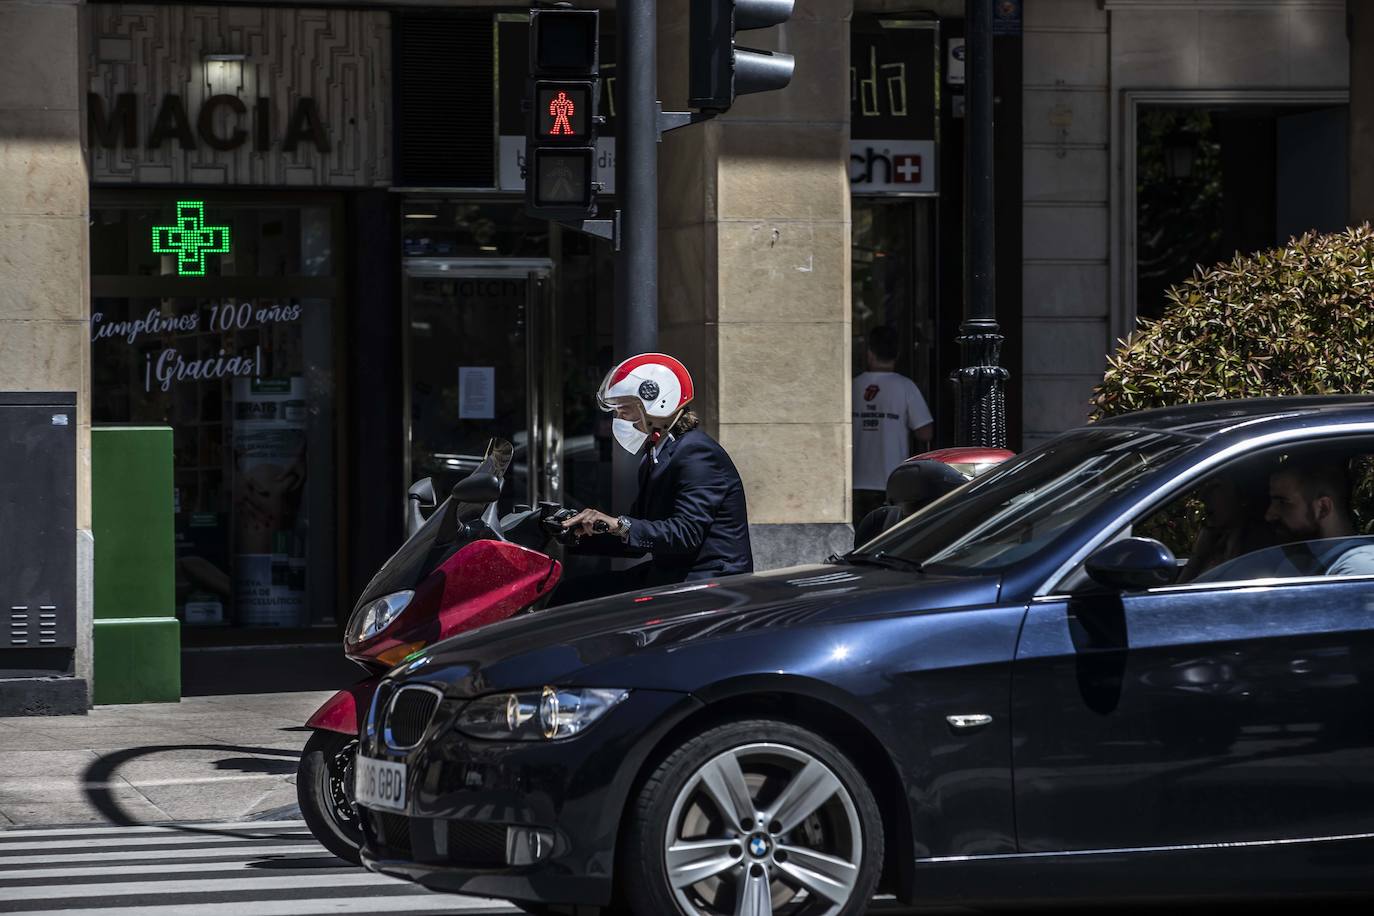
888 410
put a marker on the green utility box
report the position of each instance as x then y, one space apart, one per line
137 635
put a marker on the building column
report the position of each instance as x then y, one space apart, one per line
754 277
44 268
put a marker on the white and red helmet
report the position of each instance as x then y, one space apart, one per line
660 384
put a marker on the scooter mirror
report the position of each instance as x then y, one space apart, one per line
420 499
423 491
477 488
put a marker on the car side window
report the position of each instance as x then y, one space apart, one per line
1316 518
1302 511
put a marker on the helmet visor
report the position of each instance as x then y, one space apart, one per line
601 400
626 407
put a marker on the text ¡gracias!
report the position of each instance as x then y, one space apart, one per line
170 366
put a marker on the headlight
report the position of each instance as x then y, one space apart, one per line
378 615
537 715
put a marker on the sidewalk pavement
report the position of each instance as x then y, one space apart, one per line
214 758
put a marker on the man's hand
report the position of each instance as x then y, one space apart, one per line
586 523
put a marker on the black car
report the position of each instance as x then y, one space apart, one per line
1032 690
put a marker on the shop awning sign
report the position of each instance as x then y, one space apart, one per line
893 107
190 239
892 166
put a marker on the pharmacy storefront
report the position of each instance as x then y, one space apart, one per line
223 153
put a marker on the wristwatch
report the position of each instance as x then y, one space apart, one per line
622 527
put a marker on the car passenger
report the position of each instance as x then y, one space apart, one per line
1234 523
1309 499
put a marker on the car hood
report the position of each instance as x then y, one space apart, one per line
576 644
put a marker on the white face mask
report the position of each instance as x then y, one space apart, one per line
630 438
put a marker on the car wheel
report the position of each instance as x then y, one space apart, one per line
753 817
324 789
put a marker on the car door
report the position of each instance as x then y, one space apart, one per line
1217 712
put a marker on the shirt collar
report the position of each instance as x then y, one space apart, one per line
659 446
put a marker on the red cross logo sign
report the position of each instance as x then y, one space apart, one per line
906 169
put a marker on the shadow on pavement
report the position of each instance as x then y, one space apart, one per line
257 765
297 863
103 772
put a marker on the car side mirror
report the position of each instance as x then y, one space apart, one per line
479 489
1131 564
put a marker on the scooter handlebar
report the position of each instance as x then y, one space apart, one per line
553 524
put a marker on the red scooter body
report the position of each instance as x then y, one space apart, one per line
461 567
483 582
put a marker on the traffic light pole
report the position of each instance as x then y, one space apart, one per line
981 380
636 177
560 153
636 181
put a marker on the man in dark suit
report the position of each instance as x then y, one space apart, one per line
690 513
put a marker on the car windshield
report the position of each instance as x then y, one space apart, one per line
1017 509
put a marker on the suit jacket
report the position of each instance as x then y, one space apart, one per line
690 512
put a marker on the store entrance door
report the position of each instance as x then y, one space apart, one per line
482 361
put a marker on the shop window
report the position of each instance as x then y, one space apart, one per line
479 326
1211 182
237 357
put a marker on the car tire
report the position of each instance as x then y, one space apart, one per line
829 853
324 790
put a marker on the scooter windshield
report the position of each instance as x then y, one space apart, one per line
437 538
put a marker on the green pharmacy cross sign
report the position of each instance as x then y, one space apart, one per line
190 239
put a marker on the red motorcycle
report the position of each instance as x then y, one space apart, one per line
460 568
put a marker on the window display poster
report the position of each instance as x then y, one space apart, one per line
476 392
269 515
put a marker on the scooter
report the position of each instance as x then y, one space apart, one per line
460 568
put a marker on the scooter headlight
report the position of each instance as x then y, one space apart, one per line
378 615
536 715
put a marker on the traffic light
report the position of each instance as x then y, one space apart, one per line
719 71
560 139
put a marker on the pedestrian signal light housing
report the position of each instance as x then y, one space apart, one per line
561 101
718 70
564 41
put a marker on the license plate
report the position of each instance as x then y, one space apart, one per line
379 784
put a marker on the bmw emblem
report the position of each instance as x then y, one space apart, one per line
758 847
648 390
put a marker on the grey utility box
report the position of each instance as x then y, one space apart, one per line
37 547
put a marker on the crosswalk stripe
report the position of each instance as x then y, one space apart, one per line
218 852
104 830
120 869
319 907
249 884
169 839
242 869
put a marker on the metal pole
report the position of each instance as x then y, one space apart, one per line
636 179
982 398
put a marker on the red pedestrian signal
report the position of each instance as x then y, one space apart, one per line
561 111
560 108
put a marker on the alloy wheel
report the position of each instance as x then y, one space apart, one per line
763 829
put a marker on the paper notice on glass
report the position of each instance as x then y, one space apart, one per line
476 392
